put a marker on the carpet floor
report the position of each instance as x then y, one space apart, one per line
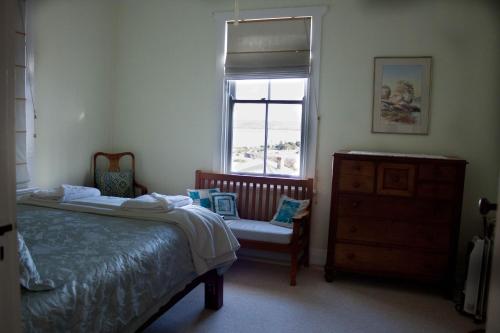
257 298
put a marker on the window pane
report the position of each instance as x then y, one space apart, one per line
247 154
251 89
288 89
284 139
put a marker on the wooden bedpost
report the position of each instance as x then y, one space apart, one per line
214 290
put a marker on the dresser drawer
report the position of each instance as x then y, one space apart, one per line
395 208
436 190
431 236
437 172
354 167
356 183
396 179
370 259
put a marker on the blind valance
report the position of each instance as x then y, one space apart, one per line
279 47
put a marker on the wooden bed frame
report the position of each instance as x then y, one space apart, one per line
214 295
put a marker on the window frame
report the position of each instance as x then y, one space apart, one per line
310 134
230 110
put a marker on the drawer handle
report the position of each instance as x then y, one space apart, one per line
356 184
351 256
355 204
357 167
353 229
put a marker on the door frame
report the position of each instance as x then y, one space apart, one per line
10 297
492 318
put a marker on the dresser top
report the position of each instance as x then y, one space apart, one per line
389 154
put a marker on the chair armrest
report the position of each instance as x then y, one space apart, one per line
142 189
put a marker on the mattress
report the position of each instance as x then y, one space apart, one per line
108 271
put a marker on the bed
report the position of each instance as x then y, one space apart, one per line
112 272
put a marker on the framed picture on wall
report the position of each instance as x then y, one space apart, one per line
401 95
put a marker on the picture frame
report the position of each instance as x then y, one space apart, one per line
401 95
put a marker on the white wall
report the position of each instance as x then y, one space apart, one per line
158 98
165 88
73 67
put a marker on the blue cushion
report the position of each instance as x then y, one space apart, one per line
224 204
115 184
289 209
202 197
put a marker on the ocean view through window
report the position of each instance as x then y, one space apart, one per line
266 120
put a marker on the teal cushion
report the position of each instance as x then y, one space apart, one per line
225 205
289 209
202 197
115 184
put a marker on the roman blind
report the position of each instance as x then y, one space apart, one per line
21 99
280 47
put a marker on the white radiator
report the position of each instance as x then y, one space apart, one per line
475 291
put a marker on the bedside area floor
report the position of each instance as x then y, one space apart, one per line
258 298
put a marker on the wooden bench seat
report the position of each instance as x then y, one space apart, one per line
258 199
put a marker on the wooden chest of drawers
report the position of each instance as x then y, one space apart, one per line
395 215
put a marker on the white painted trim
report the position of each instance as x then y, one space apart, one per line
492 318
221 18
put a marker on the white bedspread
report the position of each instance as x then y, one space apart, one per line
211 241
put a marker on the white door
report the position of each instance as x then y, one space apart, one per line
493 318
10 312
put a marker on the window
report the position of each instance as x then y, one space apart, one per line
266 126
268 67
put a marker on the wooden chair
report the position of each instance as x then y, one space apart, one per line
114 166
258 198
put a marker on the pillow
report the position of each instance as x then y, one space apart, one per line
115 184
224 204
202 197
28 274
289 209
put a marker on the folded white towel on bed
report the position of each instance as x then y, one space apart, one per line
144 202
173 201
65 193
156 202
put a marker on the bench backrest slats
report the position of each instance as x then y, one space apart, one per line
258 196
